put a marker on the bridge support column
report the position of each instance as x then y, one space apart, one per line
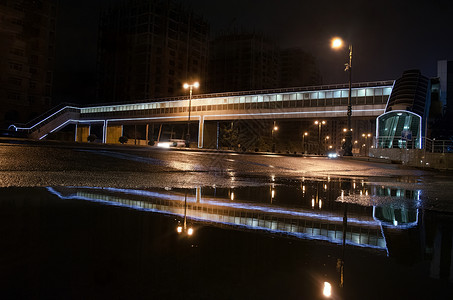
113 134
209 134
82 133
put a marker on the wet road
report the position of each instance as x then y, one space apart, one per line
100 222
43 164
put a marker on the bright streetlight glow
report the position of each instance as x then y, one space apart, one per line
275 128
336 43
327 290
190 231
179 229
193 85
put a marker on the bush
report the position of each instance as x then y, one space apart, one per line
123 139
91 138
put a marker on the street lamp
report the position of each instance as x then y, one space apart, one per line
326 139
366 136
319 123
190 87
337 43
274 128
303 141
183 228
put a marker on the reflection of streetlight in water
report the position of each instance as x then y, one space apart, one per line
327 287
183 228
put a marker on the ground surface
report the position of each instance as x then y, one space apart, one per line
52 164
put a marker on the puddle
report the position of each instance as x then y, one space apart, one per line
283 240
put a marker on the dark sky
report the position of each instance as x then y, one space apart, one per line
388 37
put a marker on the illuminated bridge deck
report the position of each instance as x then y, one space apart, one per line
368 100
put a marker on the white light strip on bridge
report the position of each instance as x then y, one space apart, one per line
245 206
118 203
24 128
70 121
295 113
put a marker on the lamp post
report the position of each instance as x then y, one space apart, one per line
303 141
326 139
347 146
183 228
366 136
274 128
190 87
319 123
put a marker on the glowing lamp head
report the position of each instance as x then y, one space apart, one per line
179 229
196 85
327 290
275 128
336 43
190 231
186 86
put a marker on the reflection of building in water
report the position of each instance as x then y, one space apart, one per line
362 231
438 244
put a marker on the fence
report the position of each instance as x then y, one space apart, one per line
429 145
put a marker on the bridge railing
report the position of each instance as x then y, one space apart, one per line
430 145
41 121
254 92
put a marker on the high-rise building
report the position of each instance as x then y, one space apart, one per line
250 61
27 53
445 75
148 48
298 68
243 61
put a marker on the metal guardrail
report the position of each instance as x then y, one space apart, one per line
254 92
429 145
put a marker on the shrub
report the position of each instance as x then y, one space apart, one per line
91 138
123 139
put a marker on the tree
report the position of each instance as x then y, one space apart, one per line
123 139
91 138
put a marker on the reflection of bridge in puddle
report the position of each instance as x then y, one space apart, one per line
363 229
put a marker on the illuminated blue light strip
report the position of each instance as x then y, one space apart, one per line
236 205
24 128
70 121
294 113
300 235
399 226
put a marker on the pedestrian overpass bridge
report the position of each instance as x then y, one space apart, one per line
368 99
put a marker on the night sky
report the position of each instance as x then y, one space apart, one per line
388 37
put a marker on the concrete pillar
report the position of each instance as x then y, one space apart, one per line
198 194
113 133
200 132
210 135
83 131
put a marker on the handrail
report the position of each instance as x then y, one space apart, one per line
429 145
252 92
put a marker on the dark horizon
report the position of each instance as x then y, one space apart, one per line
387 39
